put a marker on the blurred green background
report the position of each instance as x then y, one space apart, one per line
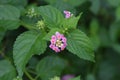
100 21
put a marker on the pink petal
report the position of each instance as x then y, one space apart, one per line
54 37
63 47
58 35
64 39
56 49
66 12
67 77
51 46
53 41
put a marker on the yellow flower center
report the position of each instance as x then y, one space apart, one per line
59 43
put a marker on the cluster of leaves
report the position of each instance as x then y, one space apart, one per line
41 23
26 27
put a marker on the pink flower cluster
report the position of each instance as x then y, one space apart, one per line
58 42
68 14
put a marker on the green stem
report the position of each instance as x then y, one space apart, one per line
32 72
28 75
27 26
37 77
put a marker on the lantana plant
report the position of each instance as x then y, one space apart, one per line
49 31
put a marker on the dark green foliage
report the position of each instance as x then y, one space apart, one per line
92 32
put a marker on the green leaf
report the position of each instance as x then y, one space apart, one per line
77 78
19 2
79 44
9 17
2 33
61 5
114 3
4 1
7 71
104 37
50 1
53 17
96 41
94 27
90 77
114 35
14 2
118 13
70 2
25 46
71 22
52 32
107 66
116 47
114 31
75 2
50 66
95 6
94 33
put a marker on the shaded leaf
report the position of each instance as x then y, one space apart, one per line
95 6
114 35
71 2
90 77
14 2
75 2
77 78
61 5
25 46
118 13
7 71
53 17
50 66
9 17
2 33
50 1
114 3
104 37
94 33
79 44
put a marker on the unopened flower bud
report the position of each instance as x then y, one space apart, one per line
31 12
40 24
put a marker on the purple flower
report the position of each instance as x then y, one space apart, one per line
67 77
58 42
67 14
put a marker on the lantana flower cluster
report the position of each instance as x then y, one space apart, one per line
58 42
68 14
